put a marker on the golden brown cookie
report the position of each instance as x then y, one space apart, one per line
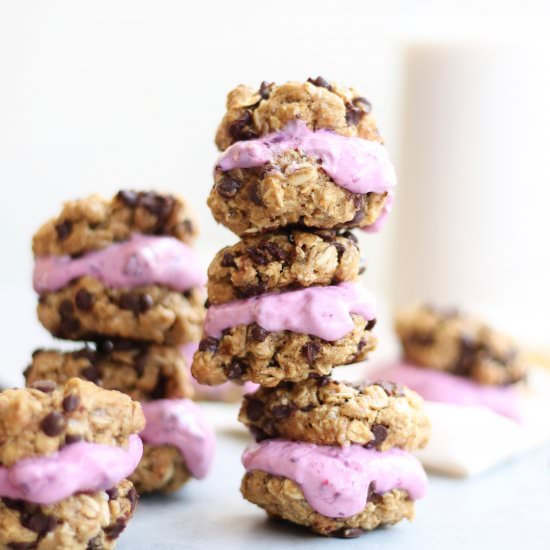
94 223
328 412
87 309
458 343
43 419
318 103
282 261
250 353
87 521
142 371
281 497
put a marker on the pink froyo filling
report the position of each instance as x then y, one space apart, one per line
356 164
336 481
319 311
181 424
434 385
141 260
77 468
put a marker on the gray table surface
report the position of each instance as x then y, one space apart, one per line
505 508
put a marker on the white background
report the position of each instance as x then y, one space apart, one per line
97 96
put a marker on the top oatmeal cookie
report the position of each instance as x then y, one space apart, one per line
94 222
320 104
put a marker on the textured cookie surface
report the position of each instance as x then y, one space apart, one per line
252 112
41 420
328 412
294 192
95 222
448 340
281 497
250 353
162 469
87 309
88 521
282 261
142 371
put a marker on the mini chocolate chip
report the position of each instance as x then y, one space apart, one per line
84 300
209 344
228 187
257 255
129 198
68 326
236 369
39 523
114 530
347 533
112 493
96 543
371 324
64 229
228 260
160 206
71 402
254 409
46 386
391 388
145 302
132 496
265 89
91 373
130 301
282 411
371 490
66 308
354 114
105 346
14 504
310 352
250 290
258 333
160 390
241 128
350 236
362 270
320 82
340 248
22 545
255 194
380 433
139 362
277 253
71 439
357 101
53 424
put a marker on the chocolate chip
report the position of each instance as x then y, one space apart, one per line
371 490
129 198
371 324
105 346
347 533
91 373
70 402
22 545
254 409
209 344
236 369
112 493
14 504
228 187
53 424
340 248
258 333
362 270
188 226
71 439
145 302
350 236
241 129
275 251
279 412
359 203
160 390
250 290
228 260
310 352
137 303
84 300
362 102
132 496
265 89
46 386
114 530
391 388
96 543
68 326
257 255
255 194
64 229
354 113
66 308
320 82
467 355
139 362
160 206
39 523
380 433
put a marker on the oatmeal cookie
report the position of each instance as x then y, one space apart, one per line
86 521
458 343
329 412
317 102
87 309
282 261
251 353
41 420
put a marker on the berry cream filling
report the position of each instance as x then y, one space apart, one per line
228 391
358 165
324 312
337 481
78 468
181 424
443 387
142 260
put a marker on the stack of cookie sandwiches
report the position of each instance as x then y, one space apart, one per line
121 275
453 357
302 164
65 454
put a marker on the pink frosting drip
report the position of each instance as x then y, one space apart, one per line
319 311
141 260
434 385
335 481
181 423
80 467
228 391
